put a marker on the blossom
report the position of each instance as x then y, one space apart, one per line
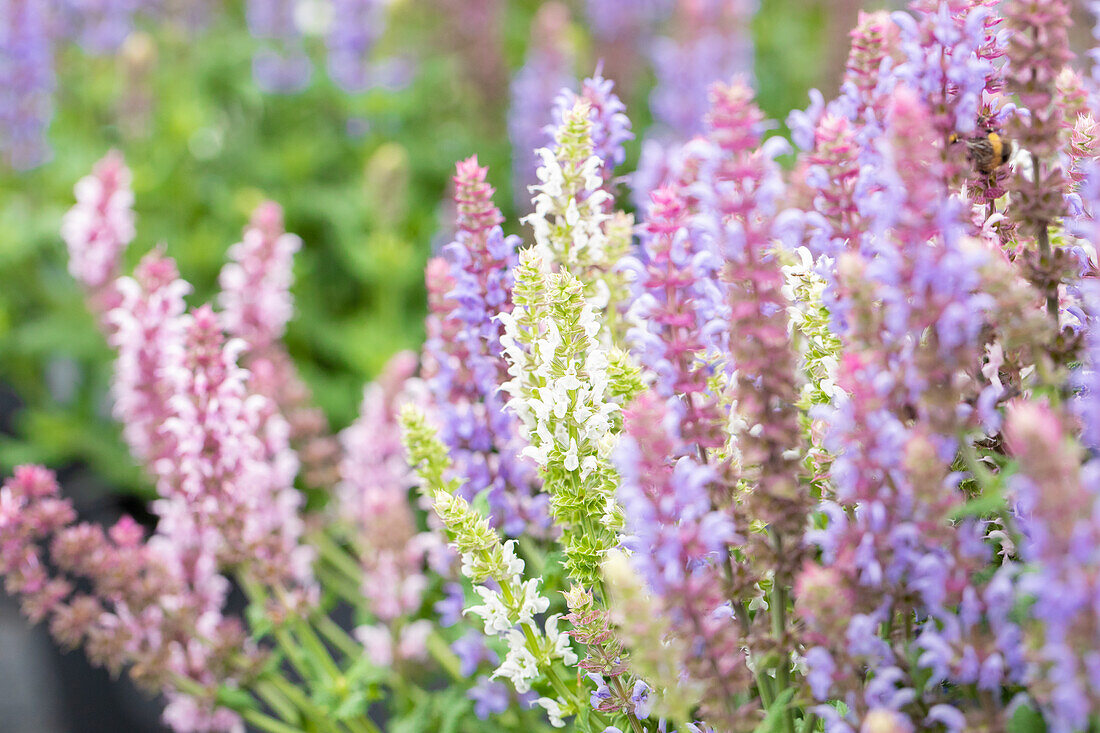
148 334
951 50
255 283
229 465
569 216
893 436
1038 49
355 28
281 64
679 540
678 312
712 45
509 606
1087 404
99 227
463 364
28 80
547 69
610 125
1057 502
373 499
550 342
256 305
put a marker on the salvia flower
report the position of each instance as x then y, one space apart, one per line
98 229
373 497
152 606
148 336
1038 50
679 313
27 81
281 63
509 604
464 360
230 465
255 297
893 436
547 70
570 220
355 27
949 63
256 305
610 125
680 543
559 389
1058 509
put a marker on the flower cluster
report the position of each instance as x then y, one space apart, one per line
463 362
510 604
806 449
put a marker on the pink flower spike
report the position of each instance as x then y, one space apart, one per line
477 213
255 283
99 228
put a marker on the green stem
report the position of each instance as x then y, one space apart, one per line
309 708
763 684
808 723
441 652
634 722
337 556
317 649
293 653
277 701
267 723
339 638
779 629
336 581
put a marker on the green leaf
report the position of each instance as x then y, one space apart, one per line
352 706
1026 719
990 502
773 720
235 699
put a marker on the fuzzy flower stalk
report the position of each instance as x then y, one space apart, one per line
560 390
256 305
463 362
373 500
509 603
1038 50
1056 491
98 229
570 204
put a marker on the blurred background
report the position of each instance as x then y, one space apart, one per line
351 115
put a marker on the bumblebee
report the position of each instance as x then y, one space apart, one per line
987 153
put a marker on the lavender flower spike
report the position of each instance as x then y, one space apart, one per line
26 81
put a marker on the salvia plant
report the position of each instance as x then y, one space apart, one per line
810 445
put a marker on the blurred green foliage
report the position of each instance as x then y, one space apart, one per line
361 178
